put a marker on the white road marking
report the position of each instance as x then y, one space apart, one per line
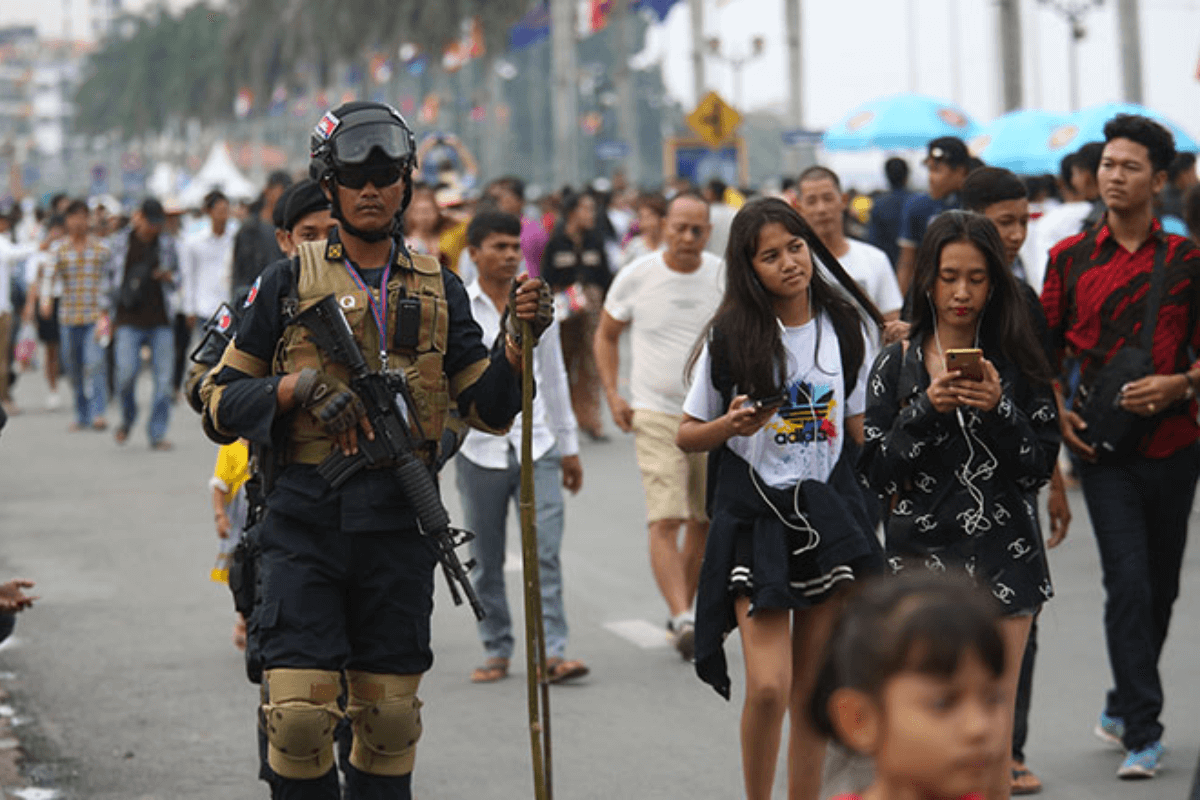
33 794
645 635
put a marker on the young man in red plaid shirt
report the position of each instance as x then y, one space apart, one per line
1095 297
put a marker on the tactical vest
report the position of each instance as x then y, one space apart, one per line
323 272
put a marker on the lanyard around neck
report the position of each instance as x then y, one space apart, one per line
378 310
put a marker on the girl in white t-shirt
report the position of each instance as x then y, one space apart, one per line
776 387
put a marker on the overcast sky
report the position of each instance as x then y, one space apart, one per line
854 51
858 50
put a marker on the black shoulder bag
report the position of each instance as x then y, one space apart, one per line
1111 430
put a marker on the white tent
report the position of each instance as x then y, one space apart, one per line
218 172
165 180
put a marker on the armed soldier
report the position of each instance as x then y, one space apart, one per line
346 577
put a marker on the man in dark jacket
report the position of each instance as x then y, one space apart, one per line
254 247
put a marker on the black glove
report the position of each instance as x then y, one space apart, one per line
539 324
332 402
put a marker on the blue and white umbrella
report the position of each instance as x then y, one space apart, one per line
1087 125
899 122
1021 141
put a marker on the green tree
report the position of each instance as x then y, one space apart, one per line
154 69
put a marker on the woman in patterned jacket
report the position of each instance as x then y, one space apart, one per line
961 460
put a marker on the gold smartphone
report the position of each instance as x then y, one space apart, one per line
968 361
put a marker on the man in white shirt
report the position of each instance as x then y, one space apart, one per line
488 468
823 205
205 264
721 216
667 298
1077 177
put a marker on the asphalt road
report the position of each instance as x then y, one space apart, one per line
125 683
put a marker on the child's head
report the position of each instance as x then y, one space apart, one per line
962 279
912 678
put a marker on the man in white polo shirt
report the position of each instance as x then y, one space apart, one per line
488 468
666 298
205 263
823 205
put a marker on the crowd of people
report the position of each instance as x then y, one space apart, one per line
816 398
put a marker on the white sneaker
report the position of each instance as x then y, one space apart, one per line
53 401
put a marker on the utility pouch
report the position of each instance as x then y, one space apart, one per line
408 324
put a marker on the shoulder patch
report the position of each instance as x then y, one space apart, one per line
253 292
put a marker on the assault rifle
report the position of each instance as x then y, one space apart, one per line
393 445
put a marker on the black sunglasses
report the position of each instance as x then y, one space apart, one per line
356 176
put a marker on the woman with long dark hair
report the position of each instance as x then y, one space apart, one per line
777 387
961 453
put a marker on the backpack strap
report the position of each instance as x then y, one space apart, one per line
722 376
291 301
1154 296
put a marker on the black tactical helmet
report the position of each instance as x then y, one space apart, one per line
349 135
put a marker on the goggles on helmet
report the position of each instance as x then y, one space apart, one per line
354 145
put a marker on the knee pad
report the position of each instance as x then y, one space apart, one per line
299 718
386 718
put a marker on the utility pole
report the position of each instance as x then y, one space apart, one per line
1129 26
1011 74
627 120
1073 11
795 64
699 84
795 158
566 92
911 22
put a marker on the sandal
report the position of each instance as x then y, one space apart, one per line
493 669
1024 781
559 669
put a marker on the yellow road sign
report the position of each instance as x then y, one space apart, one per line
714 120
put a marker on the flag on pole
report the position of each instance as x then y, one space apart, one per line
660 7
599 11
533 27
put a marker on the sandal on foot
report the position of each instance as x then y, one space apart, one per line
1024 781
121 434
493 669
559 670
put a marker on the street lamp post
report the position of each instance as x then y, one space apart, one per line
736 62
1073 11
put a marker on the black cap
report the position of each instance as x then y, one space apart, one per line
950 150
303 199
153 211
277 216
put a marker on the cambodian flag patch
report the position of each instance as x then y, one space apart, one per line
327 125
253 292
224 321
